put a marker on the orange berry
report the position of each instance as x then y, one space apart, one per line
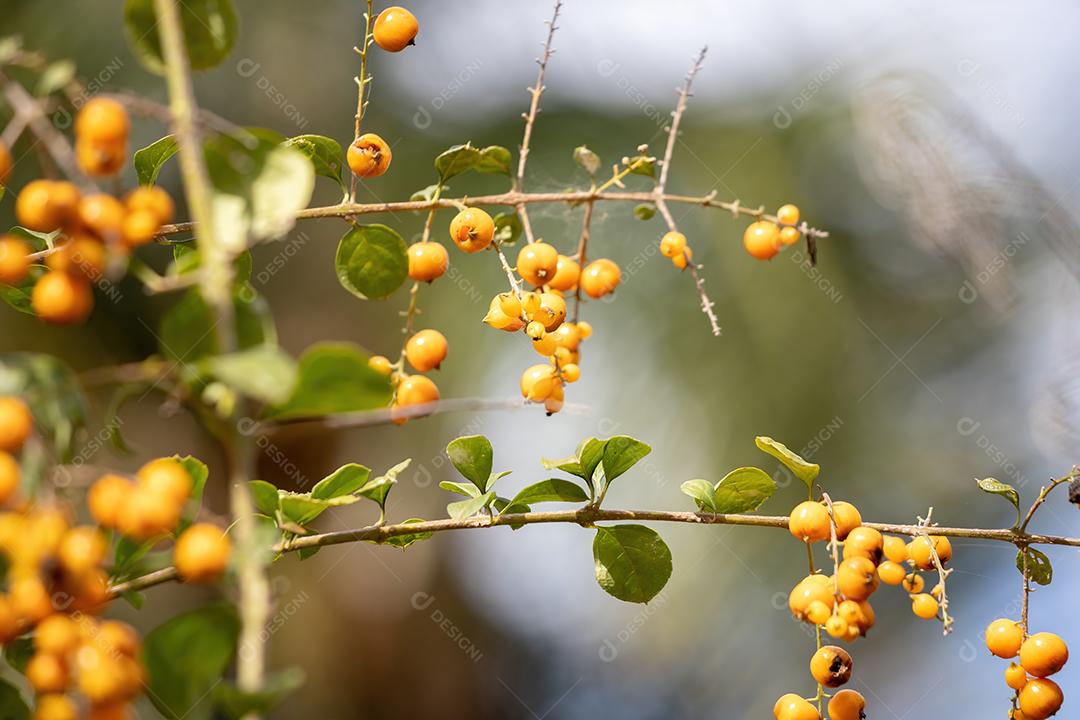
82 549
831 666
103 215
554 401
857 578
16 423
537 262
83 256
146 513
102 120
788 214
1016 677
793 707
538 383
30 600
62 299
818 612
546 344
920 553
672 244
895 549
202 552
139 227
847 705
571 372
368 156
567 272
864 542
9 621
153 199
416 390
789 235
681 260
837 627
847 518
5 163
14 260
110 711
57 634
924 606
394 29
40 207
380 364
10 475
552 311
1043 654
585 329
117 638
1004 638
106 497
809 522
600 278
167 477
1041 698
426 350
55 707
472 230
811 589
761 239
427 261
499 320
891 573
100 159
913 583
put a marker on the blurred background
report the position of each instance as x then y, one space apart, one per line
931 345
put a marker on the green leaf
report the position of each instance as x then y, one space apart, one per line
1038 565
19 297
472 456
620 454
644 211
51 390
372 261
324 153
996 487
805 471
632 562
642 165
186 657
507 227
466 489
149 160
346 480
199 473
379 488
264 373
209 32
552 490
12 705
55 77
568 465
467 508
590 453
703 493
265 497
461 158
428 194
128 553
743 490
587 159
186 258
302 509
334 378
404 541
187 331
18 652
237 704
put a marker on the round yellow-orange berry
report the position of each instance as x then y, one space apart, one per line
567 272
761 239
1041 698
102 120
847 705
809 522
472 230
831 666
394 29
537 262
14 260
202 552
16 423
167 477
1004 638
153 199
427 261
369 156
600 278
1043 654
426 350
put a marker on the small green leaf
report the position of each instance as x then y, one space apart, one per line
128 553
632 562
461 158
404 541
642 165
150 159
237 704
12 705
324 153
552 490
702 492
428 194
507 227
466 489
55 77
472 456
264 373
644 211
346 480
379 488
186 657
302 509
589 454
334 378
567 465
587 159
1038 565
18 652
743 490
805 471
620 454
265 497
996 487
467 508
372 261
209 32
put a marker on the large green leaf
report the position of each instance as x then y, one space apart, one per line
805 471
632 562
209 32
743 490
472 456
265 497
372 261
149 160
334 378
12 705
461 158
324 153
187 331
265 373
551 490
1004 490
51 390
346 480
186 657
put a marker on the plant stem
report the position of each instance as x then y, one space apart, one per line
362 82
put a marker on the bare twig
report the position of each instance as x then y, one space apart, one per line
362 81
943 574
582 249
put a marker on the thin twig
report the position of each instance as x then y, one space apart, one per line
582 249
943 574
362 81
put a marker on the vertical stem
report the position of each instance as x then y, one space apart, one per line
217 289
361 85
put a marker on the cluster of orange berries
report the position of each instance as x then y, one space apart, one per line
831 667
89 227
764 239
56 584
424 351
1041 655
